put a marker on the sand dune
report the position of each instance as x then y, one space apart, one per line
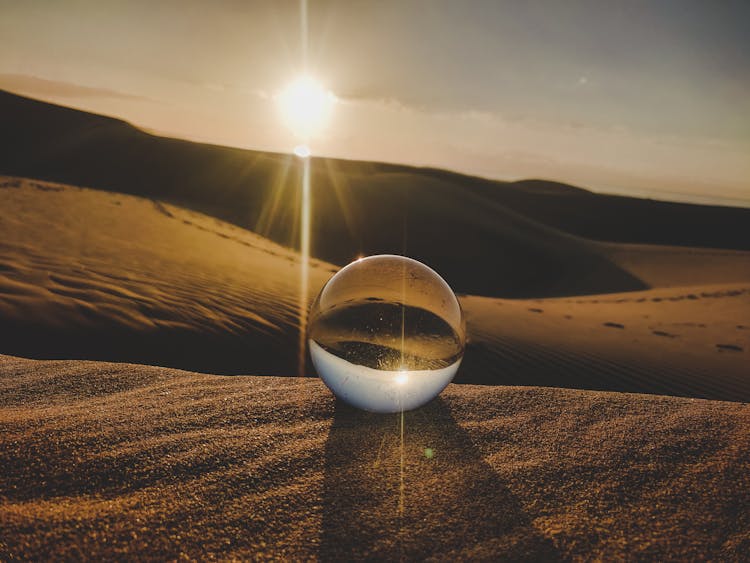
110 461
519 239
94 275
688 341
117 461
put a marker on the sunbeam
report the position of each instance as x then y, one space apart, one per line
272 206
305 107
338 180
304 263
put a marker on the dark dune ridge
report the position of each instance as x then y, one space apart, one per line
122 462
489 238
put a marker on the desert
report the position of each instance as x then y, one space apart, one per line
374 281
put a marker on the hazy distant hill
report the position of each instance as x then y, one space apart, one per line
485 237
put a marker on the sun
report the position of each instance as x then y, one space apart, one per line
305 106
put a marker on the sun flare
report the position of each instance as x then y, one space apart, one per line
306 106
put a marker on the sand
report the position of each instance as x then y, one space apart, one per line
116 461
688 341
553 457
110 276
502 239
88 274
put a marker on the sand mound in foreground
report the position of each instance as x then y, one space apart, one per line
105 461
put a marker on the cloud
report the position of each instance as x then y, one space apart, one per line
35 86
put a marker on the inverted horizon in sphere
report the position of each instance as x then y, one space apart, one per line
381 391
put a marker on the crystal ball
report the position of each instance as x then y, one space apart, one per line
386 334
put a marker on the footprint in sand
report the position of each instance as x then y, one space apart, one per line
614 325
533 310
161 208
10 184
662 333
729 348
45 188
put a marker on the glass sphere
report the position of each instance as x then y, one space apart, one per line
386 334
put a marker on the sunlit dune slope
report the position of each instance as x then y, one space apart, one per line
687 341
90 274
111 462
96 275
485 237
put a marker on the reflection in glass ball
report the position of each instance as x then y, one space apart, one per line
386 334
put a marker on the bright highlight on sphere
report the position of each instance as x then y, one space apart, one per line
386 334
305 106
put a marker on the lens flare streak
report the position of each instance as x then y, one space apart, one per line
304 263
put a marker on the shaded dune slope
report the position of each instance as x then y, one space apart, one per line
485 237
111 461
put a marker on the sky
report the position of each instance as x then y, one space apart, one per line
638 97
